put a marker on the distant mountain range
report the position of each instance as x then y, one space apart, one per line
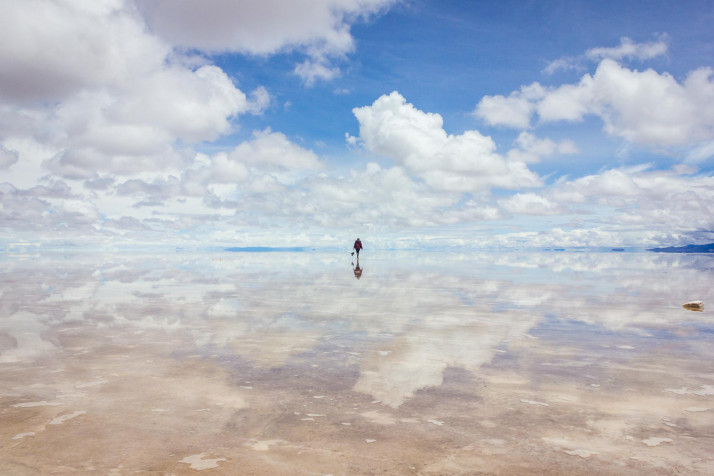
686 249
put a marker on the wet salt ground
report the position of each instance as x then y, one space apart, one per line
254 363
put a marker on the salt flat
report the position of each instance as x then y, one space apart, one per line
286 363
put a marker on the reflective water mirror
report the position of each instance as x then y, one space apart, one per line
312 363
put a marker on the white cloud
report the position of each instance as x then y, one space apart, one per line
644 107
52 48
531 149
514 110
564 64
273 149
393 128
7 157
530 204
651 108
310 71
566 103
89 81
701 152
225 170
627 50
266 164
630 49
638 204
319 28
580 237
190 105
99 111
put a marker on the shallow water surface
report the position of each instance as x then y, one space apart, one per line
299 363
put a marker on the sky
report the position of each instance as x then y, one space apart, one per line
411 124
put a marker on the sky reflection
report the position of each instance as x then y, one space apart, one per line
440 309
413 324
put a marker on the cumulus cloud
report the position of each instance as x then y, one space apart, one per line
89 80
514 110
530 204
100 109
641 206
46 208
580 237
643 107
274 149
415 139
55 47
269 163
374 197
7 157
531 149
134 130
319 28
664 200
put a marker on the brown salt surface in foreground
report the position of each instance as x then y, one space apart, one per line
237 369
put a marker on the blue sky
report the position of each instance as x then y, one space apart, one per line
309 122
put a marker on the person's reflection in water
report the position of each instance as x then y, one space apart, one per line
357 269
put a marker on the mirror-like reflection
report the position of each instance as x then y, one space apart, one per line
284 363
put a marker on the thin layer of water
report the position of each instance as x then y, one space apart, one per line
300 363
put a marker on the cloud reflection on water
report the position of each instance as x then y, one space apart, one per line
413 315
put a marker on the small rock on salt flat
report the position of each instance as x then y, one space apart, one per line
693 306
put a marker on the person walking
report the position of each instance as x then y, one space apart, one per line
357 247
